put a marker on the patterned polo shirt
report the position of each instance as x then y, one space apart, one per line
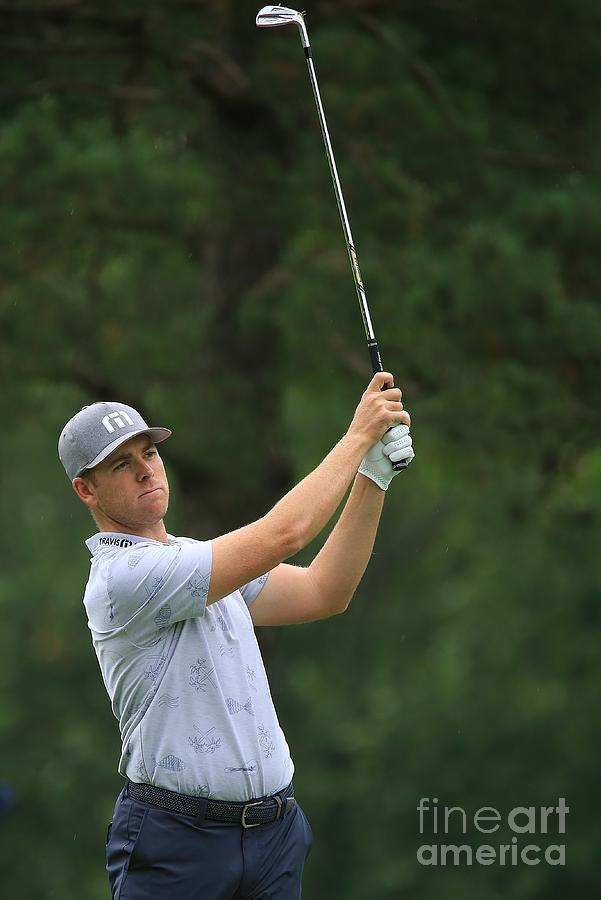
186 680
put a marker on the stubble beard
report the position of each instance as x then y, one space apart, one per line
130 519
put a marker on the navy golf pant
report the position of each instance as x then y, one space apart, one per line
153 854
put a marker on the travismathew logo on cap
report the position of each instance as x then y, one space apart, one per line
120 418
97 430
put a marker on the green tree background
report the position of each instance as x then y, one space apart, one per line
170 238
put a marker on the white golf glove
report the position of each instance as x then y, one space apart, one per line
395 445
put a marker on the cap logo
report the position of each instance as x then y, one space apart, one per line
117 418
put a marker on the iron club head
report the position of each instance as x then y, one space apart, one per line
274 16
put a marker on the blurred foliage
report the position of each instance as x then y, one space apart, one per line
170 238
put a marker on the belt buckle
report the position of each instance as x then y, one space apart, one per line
243 818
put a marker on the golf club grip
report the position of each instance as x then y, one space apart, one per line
378 367
401 463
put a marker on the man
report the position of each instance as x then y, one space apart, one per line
208 809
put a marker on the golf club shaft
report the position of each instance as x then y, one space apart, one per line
372 344
274 17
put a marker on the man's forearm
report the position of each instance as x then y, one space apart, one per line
307 508
311 504
339 566
248 552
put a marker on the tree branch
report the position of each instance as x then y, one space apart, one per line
434 88
422 72
534 162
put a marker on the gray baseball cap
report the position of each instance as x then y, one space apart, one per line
95 431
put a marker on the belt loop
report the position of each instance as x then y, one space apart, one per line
283 801
202 811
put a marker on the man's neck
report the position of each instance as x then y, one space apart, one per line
156 532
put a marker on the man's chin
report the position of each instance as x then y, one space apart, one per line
153 517
147 518
154 503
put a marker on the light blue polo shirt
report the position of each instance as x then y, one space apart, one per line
186 680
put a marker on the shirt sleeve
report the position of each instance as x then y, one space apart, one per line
162 584
252 590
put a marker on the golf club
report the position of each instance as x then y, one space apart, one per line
274 17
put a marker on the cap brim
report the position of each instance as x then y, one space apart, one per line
157 435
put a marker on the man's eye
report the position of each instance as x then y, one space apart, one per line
150 454
121 465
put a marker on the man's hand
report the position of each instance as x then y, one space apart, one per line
394 446
379 408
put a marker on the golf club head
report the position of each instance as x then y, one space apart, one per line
274 16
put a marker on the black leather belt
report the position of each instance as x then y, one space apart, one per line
249 815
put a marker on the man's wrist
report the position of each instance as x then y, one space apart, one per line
370 483
374 474
358 442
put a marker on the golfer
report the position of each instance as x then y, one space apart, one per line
208 810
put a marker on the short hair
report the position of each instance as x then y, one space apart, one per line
89 475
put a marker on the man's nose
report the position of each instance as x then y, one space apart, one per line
144 469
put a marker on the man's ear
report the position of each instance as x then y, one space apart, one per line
84 489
